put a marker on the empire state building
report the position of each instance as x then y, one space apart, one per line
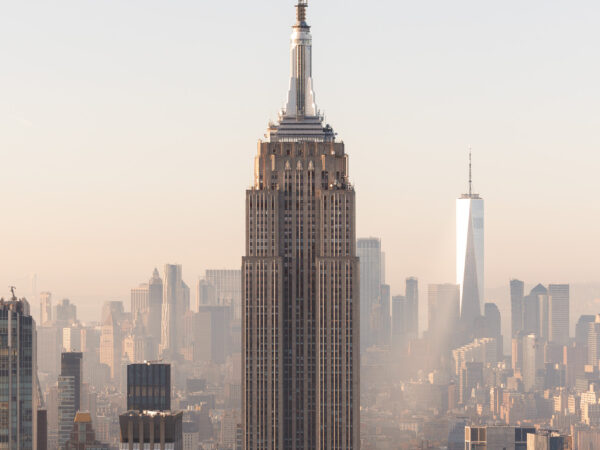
300 354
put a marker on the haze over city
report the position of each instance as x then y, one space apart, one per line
127 133
282 225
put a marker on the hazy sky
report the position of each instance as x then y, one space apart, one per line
128 131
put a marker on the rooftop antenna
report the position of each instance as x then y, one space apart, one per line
301 10
470 177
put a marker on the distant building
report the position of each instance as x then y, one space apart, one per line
110 344
149 387
151 429
18 396
496 437
533 363
443 316
517 294
582 328
176 302
65 312
372 276
559 313
227 286
593 342
146 305
549 440
45 308
83 436
412 303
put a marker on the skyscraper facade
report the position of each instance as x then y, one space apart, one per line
71 365
443 316
371 278
176 302
45 308
469 254
300 298
412 302
517 293
559 313
18 392
149 387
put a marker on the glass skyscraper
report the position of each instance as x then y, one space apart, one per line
149 387
18 391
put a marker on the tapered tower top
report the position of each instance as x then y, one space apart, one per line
300 120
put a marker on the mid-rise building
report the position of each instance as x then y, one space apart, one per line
151 430
83 436
549 440
18 395
497 437
149 387
300 279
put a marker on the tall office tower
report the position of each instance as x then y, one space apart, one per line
593 342
399 322
110 345
227 288
151 429
533 316
533 363
493 326
155 300
71 365
45 308
176 297
469 254
66 408
300 297
18 395
412 300
443 316
205 293
582 329
384 321
517 293
115 308
149 387
559 313
140 301
65 312
372 277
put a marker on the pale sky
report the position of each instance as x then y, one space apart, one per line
128 131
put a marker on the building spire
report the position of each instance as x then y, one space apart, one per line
470 176
301 10
301 98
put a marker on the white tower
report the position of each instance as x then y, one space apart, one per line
469 253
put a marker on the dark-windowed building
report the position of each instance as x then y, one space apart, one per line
149 387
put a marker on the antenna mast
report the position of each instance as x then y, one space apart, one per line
470 177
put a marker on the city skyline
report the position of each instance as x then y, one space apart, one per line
79 196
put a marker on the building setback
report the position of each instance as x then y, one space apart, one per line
300 301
